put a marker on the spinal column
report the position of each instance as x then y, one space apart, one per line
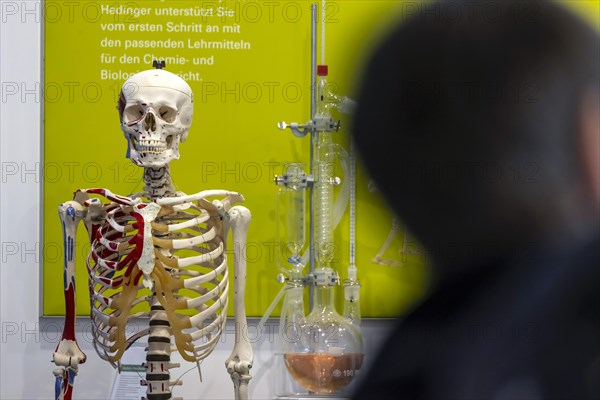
158 355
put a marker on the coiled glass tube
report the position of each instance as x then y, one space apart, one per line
324 200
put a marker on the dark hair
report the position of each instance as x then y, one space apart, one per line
468 124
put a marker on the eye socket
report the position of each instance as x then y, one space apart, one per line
133 114
167 114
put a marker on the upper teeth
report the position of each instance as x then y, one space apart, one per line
151 146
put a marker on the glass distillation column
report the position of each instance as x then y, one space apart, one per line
322 351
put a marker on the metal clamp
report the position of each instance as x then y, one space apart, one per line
285 180
318 124
323 278
326 124
299 130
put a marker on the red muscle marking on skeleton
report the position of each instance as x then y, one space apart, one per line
129 260
68 393
110 195
121 105
69 329
93 231
138 276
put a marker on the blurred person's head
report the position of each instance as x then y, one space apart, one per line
479 123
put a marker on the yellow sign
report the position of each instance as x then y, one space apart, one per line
248 65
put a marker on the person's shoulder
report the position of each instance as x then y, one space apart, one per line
525 327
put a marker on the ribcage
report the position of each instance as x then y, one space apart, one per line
189 277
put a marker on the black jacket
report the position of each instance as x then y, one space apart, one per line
522 329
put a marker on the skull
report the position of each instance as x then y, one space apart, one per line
155 108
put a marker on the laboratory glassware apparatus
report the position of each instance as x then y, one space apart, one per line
319 354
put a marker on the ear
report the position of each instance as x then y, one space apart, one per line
589 137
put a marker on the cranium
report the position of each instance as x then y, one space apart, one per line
155 108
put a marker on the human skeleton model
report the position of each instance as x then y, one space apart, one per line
160 247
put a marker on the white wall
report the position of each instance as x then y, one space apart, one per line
28 341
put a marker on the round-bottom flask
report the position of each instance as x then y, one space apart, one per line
326 353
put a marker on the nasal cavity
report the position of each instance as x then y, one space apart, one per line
150 123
